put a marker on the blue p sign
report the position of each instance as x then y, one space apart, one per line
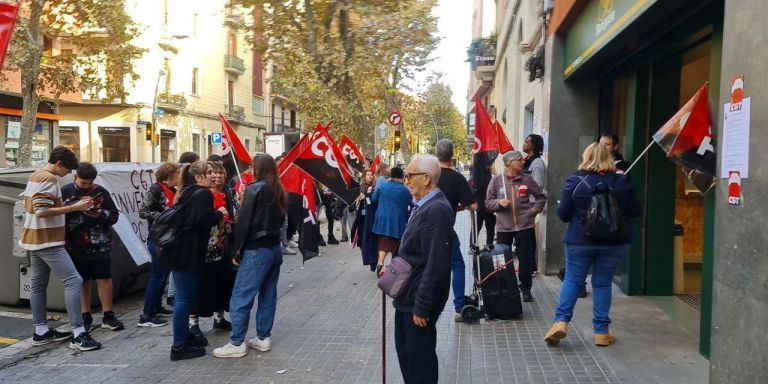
215 138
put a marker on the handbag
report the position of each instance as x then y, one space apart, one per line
396 278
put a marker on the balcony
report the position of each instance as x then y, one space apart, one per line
481 56
234 65
234 112
171 102
232 14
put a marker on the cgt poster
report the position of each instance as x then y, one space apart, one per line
128 183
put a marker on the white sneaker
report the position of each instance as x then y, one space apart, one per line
263 345
292 244
230 350
288 251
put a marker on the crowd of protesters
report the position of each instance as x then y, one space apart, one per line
236 229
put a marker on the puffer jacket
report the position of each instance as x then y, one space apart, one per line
527 197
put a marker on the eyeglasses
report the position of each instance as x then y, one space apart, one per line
409 175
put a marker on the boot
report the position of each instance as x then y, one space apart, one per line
332 239
604 339
558 332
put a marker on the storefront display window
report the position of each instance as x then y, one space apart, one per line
167 145
41 141
69 137
115 144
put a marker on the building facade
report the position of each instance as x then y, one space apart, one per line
197 63
627 66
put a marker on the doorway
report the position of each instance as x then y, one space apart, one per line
115 144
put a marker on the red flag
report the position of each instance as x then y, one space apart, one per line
375 164
8 14
292 178
351 153
504 144
485 150
229 140
689 128
485 134
323 161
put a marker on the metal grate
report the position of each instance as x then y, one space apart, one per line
694 300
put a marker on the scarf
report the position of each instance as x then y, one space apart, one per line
169 194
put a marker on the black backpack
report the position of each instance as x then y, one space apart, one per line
167 227
604 221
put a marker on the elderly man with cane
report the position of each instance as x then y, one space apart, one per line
426 246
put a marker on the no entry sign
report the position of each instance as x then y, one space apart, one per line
395 118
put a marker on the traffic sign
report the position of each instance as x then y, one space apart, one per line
395 118
382 131
215 138
160 112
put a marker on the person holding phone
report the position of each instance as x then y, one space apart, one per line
89 242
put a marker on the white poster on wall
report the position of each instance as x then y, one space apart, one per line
14 130
735 157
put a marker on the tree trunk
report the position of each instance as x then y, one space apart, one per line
30 74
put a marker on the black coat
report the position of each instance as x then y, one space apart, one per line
426 245
258 221
188 253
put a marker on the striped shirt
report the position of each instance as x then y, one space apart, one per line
38 233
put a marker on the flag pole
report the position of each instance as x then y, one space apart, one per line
640 157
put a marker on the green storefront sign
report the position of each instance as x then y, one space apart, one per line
598 24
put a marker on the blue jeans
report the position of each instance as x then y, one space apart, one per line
187 284
603 259
457 270
257 275
153 294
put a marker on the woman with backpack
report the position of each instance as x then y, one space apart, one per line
597 241
259 254
159 198
186 257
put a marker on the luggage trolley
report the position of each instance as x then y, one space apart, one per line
493 271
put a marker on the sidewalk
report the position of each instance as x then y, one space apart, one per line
328 330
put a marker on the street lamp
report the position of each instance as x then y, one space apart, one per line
160 75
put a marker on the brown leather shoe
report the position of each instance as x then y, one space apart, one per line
558 332
604 339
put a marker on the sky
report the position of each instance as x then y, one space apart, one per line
455 30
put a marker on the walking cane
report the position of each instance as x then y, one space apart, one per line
383 338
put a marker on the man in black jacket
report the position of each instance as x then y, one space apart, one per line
426 245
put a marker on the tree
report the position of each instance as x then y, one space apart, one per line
98 60
345 59
433 116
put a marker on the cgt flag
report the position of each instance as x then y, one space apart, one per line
8 13
352 154
375 164
687 140
323 161
239 159
302 209
504 144
486 148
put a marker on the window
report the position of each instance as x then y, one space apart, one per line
247 144
293 119
69 137
167 145
257 104
115 144
194 24
232 44
195 80
231 96
41 141
196 142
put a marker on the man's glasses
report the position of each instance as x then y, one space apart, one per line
409 175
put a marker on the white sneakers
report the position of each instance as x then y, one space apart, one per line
292 244
263 345
288 251
230 350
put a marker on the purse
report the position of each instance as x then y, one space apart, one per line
396 278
